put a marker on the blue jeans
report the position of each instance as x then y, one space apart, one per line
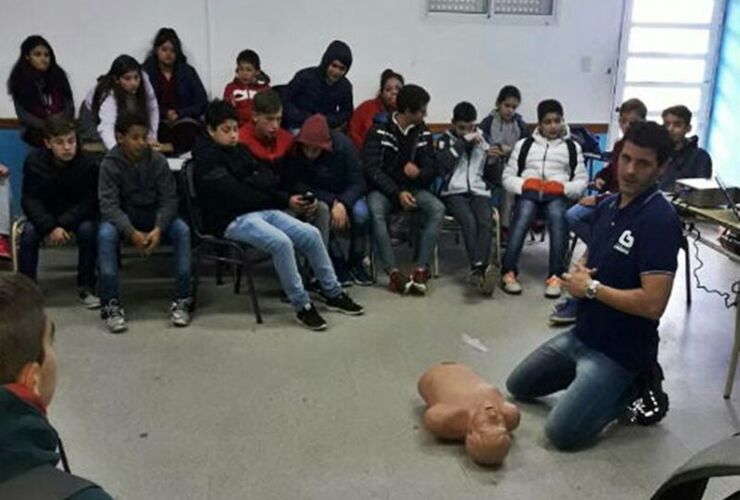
278 233
474 214
359 230
176 234
28 260
578 221
432 212
597 388
525 212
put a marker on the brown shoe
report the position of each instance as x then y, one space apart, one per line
420 280
399 282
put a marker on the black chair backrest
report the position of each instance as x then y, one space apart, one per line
187 180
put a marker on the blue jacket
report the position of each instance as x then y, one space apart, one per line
308 93
335 175
191 95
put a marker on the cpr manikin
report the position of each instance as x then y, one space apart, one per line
463 406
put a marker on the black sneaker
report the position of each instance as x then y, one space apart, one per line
343 276
310 318
114 316
360 276
651 406
344 304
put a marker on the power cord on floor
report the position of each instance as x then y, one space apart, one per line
730 299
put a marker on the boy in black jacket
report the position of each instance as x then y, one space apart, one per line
242 200
138 200
60 199
399 162
688 160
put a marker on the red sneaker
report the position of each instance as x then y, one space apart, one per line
399 282
420 280
5 252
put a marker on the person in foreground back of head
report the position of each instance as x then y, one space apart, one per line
623 282
30 448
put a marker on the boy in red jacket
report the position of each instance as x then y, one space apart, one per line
248 81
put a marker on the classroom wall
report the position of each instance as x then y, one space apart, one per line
455 56
724 125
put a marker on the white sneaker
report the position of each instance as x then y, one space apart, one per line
510 284
553 288
180 312
88 299
114 316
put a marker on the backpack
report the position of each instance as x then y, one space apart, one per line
44 483
527 145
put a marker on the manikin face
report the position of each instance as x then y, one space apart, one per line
677 128
134 142
507 108
130 81
637 169
63 147
246 73
39 58
390 92
226 134
335 72
266 126
551 126
166 54
627 119
487 441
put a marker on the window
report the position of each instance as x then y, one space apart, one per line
537 10
668 57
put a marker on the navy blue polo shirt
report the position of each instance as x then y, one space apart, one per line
642 238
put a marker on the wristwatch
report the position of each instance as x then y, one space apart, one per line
592 288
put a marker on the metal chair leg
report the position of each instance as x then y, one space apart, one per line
687 261
253 292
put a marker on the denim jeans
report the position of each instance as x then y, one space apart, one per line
577 217
525 213
359 230
432 212
176 234
86 235
280 234
597 388
321 219
473 213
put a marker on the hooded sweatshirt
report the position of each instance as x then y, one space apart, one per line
27 439
690 161
137 196
336 175
463 166
54 195
309 93
191 97
547 160
241 96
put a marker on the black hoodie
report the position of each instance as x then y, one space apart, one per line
61 196
689 162
308 92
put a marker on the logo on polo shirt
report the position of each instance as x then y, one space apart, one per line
625 242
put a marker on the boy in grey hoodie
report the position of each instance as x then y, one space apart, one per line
138 199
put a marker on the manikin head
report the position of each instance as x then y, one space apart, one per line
487 440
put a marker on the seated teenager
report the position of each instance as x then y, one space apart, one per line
30 448
60 198
462 160
124 89
399 163
180 94
545 172
328 164
138 202
373 109
249 80
688 160
5 251
39 88
321 89
623 284
578 216
242 200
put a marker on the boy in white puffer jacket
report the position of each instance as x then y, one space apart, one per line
549 174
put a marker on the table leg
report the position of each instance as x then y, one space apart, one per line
735 351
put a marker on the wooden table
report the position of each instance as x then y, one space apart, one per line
723 217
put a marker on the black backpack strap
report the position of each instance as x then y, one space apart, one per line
523 152
44 483
572 157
